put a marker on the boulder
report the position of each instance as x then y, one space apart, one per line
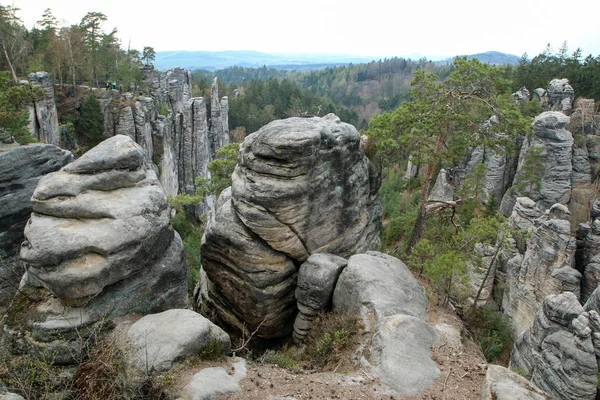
301 186
99 243
158 340
556 142
317 278
21 168
393 306
556 352
503 384
522 94
547 267
214 383
10 396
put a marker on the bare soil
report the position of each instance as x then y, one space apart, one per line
461 364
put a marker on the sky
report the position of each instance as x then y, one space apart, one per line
379 28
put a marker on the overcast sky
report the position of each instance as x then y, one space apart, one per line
431 28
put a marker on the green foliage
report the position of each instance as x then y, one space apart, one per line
213 350
332 334
493 331
14 99
91 121
148 54
537 72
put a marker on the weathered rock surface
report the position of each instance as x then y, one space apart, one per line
551 135
522 94
159 340
560 96
43 115
99 243
547 267
556 353
482 274
21 168
301 186
214 383
503 384
392 304
442 190
249 281
305 186
588 257
317 278
10 396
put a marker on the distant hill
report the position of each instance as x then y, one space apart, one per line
490 57
212 60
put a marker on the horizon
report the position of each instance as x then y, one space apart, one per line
436 30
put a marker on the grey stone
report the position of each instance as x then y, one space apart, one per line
301 186
253 284
482 274
381 289
304 186
380 285
400 354
10 396
557 353
21 168
560 96
503 384
442 190
522 94
317 278
546 268
159 340
98 252
44 117
213 383
550 133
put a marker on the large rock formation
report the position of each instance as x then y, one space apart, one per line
546 267
554 170
380 289
301 186
503 384
43 121
588 257
556 353
99 243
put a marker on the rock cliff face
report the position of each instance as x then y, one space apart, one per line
560 96
554 172
301 186
43 121
557 353
545 268
21 168
99 243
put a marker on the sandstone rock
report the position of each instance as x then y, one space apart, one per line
253 283
556 143
442 190
546 268
382 290
213 383
301 186
219 121
588 257
158 340
100 242
44 124
556 353
481 275
560 96
10 396
317 278
542 96
21 168
503 384
304 186
522 94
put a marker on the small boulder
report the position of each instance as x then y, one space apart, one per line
158 340
212 383
503 384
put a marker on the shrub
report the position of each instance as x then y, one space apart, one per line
493 331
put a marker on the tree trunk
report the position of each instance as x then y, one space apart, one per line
486 276
420 222
12 70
